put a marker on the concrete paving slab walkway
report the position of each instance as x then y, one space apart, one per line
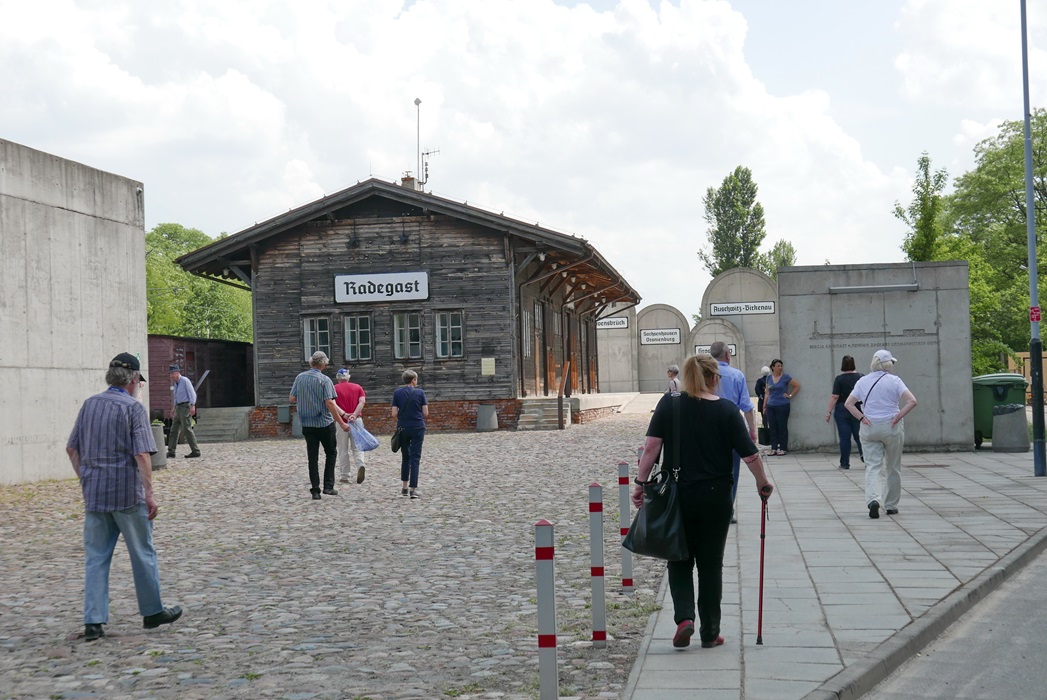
848 598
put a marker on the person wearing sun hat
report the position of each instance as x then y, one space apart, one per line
883 431
110 449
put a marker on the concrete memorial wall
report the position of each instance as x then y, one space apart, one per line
662 333
918 311
616 345
742 302
72 296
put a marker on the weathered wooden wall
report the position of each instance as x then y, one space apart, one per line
468 272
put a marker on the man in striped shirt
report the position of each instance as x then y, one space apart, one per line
314 395
110 449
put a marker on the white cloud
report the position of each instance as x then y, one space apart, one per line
608 124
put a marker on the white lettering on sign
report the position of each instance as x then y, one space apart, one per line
704 349
734 308
660 336
393 286
620 322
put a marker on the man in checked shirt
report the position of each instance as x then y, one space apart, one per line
110 449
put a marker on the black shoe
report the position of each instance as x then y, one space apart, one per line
171 455
93 632
845 466
316 495
892 511
403 492
874 510
330 492
164 617
191 455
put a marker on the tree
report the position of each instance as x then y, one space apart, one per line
736 223
923 215
178 303
984 223
781 254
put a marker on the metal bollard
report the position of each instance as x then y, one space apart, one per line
624 522
548 676
599 602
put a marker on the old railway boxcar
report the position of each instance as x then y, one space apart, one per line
384 277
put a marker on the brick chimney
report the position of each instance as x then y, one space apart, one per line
410 182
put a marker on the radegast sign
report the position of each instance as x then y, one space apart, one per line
393 286
660 336
617 322
734 308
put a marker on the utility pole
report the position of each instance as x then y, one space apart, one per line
1035 346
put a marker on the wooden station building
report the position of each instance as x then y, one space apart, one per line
385 277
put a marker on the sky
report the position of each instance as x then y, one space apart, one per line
606 119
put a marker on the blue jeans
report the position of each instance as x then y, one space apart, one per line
411 454
778 423
101 531
847 426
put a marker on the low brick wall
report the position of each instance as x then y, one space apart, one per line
443 415
588 416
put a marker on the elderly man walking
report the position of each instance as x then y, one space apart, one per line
183 398
314 395
733 387
110 449
351 399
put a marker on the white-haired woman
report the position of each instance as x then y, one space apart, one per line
673 373
883 433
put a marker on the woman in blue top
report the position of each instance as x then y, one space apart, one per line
410 409
780 390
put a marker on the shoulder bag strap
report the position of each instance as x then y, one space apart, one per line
867 395
676 435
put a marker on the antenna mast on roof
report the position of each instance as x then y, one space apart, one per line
422 173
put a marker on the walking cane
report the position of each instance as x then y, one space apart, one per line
765 493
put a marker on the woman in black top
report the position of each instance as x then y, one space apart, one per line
761 390
846 424
710 428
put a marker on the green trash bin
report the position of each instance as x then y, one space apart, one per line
992 390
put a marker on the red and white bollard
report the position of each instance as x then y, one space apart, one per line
625 521
599 603
545 576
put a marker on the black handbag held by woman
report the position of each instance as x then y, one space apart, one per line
657 530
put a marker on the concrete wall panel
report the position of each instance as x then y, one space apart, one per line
72 295
653 359
928 330
617 354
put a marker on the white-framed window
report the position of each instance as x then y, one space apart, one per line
317 336
449 334
407 335
358 338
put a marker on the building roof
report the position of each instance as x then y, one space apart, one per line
229 259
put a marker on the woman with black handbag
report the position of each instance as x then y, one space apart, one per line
710 428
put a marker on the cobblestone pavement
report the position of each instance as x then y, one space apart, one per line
362 595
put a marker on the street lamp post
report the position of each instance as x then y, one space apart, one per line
1035 346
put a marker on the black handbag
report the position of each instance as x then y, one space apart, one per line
394 441
657 530
763 434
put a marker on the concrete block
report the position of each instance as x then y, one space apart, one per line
1010 431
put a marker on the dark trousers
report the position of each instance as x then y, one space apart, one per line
778 423
411 454
847 426
314 437
707 518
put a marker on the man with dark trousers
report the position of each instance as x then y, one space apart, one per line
183 398
733 387
314 395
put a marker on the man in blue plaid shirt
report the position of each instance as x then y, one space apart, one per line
314 395
110 449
